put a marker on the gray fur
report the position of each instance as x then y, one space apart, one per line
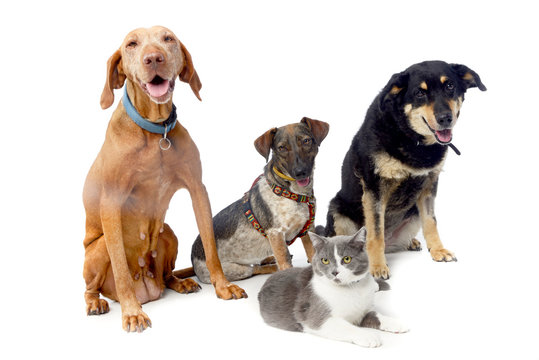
288 299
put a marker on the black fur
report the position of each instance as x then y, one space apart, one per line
387 129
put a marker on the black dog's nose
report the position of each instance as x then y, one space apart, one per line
444 119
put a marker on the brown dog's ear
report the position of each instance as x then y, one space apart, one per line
468 77
318 128
115 80
189 74
264 142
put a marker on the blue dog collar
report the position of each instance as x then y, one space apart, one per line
157 128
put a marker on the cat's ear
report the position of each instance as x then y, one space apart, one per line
317 240
360 237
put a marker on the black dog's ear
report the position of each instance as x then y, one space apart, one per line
394 89
468 77
318 128
264 142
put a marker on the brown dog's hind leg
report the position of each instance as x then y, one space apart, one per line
96 266
167 250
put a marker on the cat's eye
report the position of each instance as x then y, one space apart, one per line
347 259
325 261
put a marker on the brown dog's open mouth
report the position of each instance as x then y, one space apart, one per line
158 88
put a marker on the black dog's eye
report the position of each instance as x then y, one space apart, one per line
420 93
449 86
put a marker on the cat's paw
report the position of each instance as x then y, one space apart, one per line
370 340
393 325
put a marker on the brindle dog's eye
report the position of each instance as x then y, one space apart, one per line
307 142
325 261
281 148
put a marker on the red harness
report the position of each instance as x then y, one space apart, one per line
279 191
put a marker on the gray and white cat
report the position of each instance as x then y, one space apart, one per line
333 298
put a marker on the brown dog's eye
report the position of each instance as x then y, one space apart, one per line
168 38
132 44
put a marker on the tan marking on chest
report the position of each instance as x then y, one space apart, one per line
388 167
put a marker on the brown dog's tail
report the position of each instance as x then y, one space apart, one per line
184 273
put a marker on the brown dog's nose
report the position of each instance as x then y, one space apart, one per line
153 59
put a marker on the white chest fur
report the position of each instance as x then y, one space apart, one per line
349 302
289 216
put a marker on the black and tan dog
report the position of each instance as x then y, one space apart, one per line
274 212
390 173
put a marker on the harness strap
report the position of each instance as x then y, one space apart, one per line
277 190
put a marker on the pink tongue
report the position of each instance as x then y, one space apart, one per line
444 135
303 182
157 90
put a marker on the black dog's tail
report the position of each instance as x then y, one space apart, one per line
320 230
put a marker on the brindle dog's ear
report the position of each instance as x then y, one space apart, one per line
189 74
318 128
115 79
264 142
393 91
468 77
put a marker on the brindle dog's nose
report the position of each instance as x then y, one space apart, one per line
153 59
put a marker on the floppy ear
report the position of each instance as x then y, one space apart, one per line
264 142
468 77
115 79
189 74
393 91
318 128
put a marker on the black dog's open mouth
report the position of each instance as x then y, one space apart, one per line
444 136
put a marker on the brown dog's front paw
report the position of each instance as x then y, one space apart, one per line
380 271
230 291
97 307
442 255
136 321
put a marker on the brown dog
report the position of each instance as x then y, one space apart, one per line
130 251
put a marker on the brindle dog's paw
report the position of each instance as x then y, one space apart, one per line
136 321
442 255
184 286
380 271
97 307
229 291
415 245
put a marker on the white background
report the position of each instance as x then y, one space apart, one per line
264 65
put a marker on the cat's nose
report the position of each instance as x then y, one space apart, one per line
335 273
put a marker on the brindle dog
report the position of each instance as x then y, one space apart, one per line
274 212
